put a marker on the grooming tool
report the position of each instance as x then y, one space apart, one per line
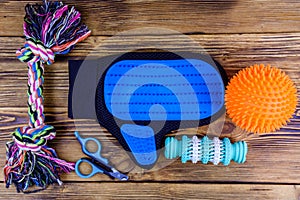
50 29
205 150
261 99
143 96
98 163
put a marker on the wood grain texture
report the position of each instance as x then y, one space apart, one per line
197 16
280 150
155 191
235 33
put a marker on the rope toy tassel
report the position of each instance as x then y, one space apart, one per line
50 29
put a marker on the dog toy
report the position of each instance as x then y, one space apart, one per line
50 29
260 99
205 150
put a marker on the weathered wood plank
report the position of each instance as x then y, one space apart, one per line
147 191
233 51
271 159
226 16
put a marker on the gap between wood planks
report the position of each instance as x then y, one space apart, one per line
233 52
160 190
111 17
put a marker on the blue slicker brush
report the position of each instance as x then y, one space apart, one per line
205 150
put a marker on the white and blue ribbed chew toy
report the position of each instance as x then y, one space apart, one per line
205 150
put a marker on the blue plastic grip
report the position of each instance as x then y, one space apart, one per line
141 142
95 169
95 155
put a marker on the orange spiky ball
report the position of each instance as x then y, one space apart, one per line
260 99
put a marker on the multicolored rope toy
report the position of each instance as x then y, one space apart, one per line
205 150
50 29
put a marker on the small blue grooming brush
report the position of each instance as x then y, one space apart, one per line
143 96
205 150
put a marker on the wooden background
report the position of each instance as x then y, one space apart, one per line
236 33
